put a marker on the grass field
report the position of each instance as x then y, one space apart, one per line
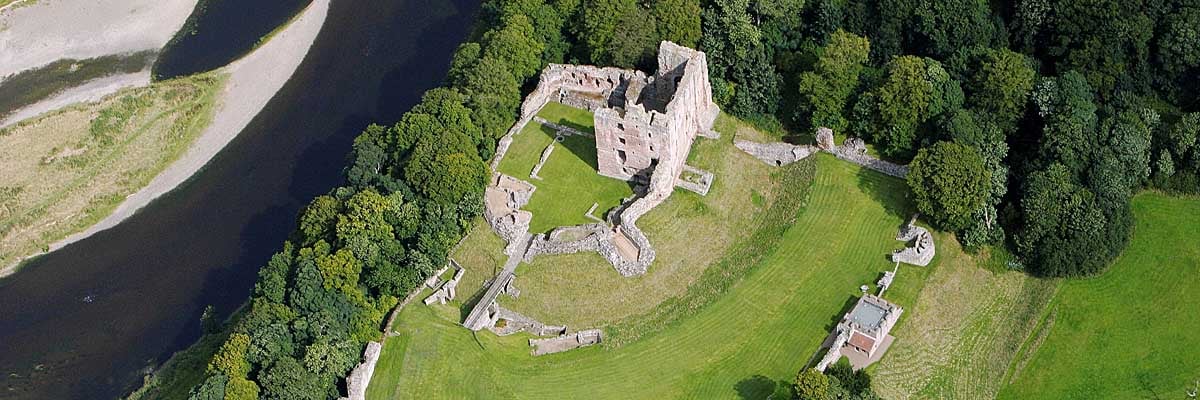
569 184
761 330
562 114
66 170
1133 331
965 329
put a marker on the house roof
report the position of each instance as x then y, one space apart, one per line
867 315
861 341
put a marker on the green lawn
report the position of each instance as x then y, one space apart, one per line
561 114
384 383
759 331
570 183
1133 331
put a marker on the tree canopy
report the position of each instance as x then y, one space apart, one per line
949 184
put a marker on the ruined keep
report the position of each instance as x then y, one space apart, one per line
645 125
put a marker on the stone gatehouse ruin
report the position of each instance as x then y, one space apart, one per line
862 334
644 129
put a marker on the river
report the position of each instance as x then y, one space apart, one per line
86 322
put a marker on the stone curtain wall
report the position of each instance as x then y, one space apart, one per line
852 150
360 376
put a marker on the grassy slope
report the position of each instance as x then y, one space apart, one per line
569 184
583 290
66 170
1131 332
761 331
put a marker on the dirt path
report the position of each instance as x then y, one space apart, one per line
48 30
252 81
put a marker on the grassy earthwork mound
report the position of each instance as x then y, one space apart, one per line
730 334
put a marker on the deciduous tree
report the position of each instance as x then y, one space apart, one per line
949 184
825 91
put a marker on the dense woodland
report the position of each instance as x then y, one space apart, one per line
1028 125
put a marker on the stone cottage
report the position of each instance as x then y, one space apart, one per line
862 335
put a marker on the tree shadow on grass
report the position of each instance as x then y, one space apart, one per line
759 387
890 192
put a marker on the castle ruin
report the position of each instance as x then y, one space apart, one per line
644 129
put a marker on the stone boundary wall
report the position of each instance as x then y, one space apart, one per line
852 150
855 151
776 153
566 342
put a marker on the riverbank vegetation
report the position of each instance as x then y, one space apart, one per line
28 87
64 171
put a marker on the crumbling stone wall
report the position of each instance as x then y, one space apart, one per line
922 250
543 244
777 153
360 376
855 151
517 322
503 200
444 291
566 342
